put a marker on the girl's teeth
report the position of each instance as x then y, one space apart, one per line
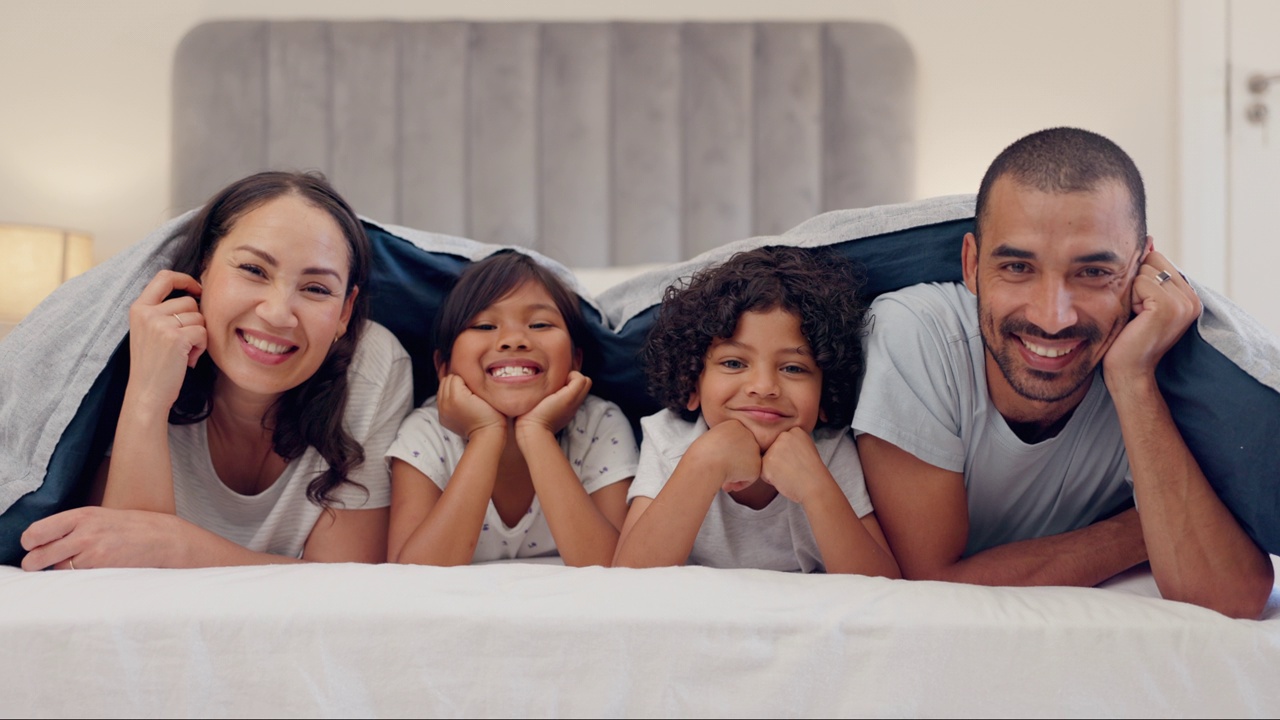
513 371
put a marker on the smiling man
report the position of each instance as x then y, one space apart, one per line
1007 426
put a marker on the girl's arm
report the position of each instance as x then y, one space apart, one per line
848 545
95 537
166 336
585 527
660 532
434 527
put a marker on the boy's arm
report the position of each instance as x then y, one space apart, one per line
847 544
660 531
924 512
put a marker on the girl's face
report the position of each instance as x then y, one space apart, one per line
764 377
274 297
515 352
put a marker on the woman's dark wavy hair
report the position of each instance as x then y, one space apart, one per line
311 414
487 281
817 285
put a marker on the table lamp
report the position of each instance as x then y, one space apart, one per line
33 261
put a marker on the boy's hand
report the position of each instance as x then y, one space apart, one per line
464 412
557 409
731 447
793 466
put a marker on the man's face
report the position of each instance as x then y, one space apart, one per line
1053 278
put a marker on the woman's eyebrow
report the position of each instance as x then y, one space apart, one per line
270 259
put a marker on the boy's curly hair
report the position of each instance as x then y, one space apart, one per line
819 286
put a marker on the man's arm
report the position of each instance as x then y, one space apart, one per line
1199 553
924 513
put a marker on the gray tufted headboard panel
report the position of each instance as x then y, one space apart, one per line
595 143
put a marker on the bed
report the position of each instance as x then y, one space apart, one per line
624 155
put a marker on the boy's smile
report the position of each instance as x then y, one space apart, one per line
764 377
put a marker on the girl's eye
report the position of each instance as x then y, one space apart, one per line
484 326
540 325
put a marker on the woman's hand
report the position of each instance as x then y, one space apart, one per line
464 412
166 336
556 410
94 537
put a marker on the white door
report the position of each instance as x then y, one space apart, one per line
1253 197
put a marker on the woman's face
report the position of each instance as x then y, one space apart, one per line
274 296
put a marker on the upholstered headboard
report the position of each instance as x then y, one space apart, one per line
595 143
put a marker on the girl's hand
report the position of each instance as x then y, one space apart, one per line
464 412
166 336
793 466
557 409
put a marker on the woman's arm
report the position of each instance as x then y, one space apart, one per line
166 336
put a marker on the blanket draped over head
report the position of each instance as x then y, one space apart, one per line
63 369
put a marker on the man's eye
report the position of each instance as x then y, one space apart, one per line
1017 267
1094 272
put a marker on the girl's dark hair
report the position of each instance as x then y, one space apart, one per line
487 281
311 414
818 286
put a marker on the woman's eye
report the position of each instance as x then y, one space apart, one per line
319 290
252 269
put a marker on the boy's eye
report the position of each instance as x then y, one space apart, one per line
732 364
795 369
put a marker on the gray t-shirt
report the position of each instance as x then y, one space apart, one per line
279 519
776 537
925 391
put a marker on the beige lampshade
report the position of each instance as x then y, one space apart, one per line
35 260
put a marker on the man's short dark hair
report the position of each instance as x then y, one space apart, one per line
1066 160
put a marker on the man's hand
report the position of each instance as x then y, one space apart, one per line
1164 306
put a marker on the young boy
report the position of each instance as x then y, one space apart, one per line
749 358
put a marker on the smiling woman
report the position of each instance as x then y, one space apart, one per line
259 399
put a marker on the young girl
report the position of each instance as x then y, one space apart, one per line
748 359
512 458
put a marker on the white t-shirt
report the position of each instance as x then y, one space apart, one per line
925 391
598 443
775 537
279 519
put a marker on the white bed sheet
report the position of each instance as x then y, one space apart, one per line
544 640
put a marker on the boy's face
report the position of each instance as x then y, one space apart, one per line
764 376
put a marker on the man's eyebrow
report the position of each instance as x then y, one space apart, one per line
1005 251
1105 256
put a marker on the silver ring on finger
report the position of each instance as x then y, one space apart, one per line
179 319
1162 277
71 562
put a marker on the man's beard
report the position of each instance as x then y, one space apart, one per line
1028 382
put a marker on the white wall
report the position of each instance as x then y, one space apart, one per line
85 87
